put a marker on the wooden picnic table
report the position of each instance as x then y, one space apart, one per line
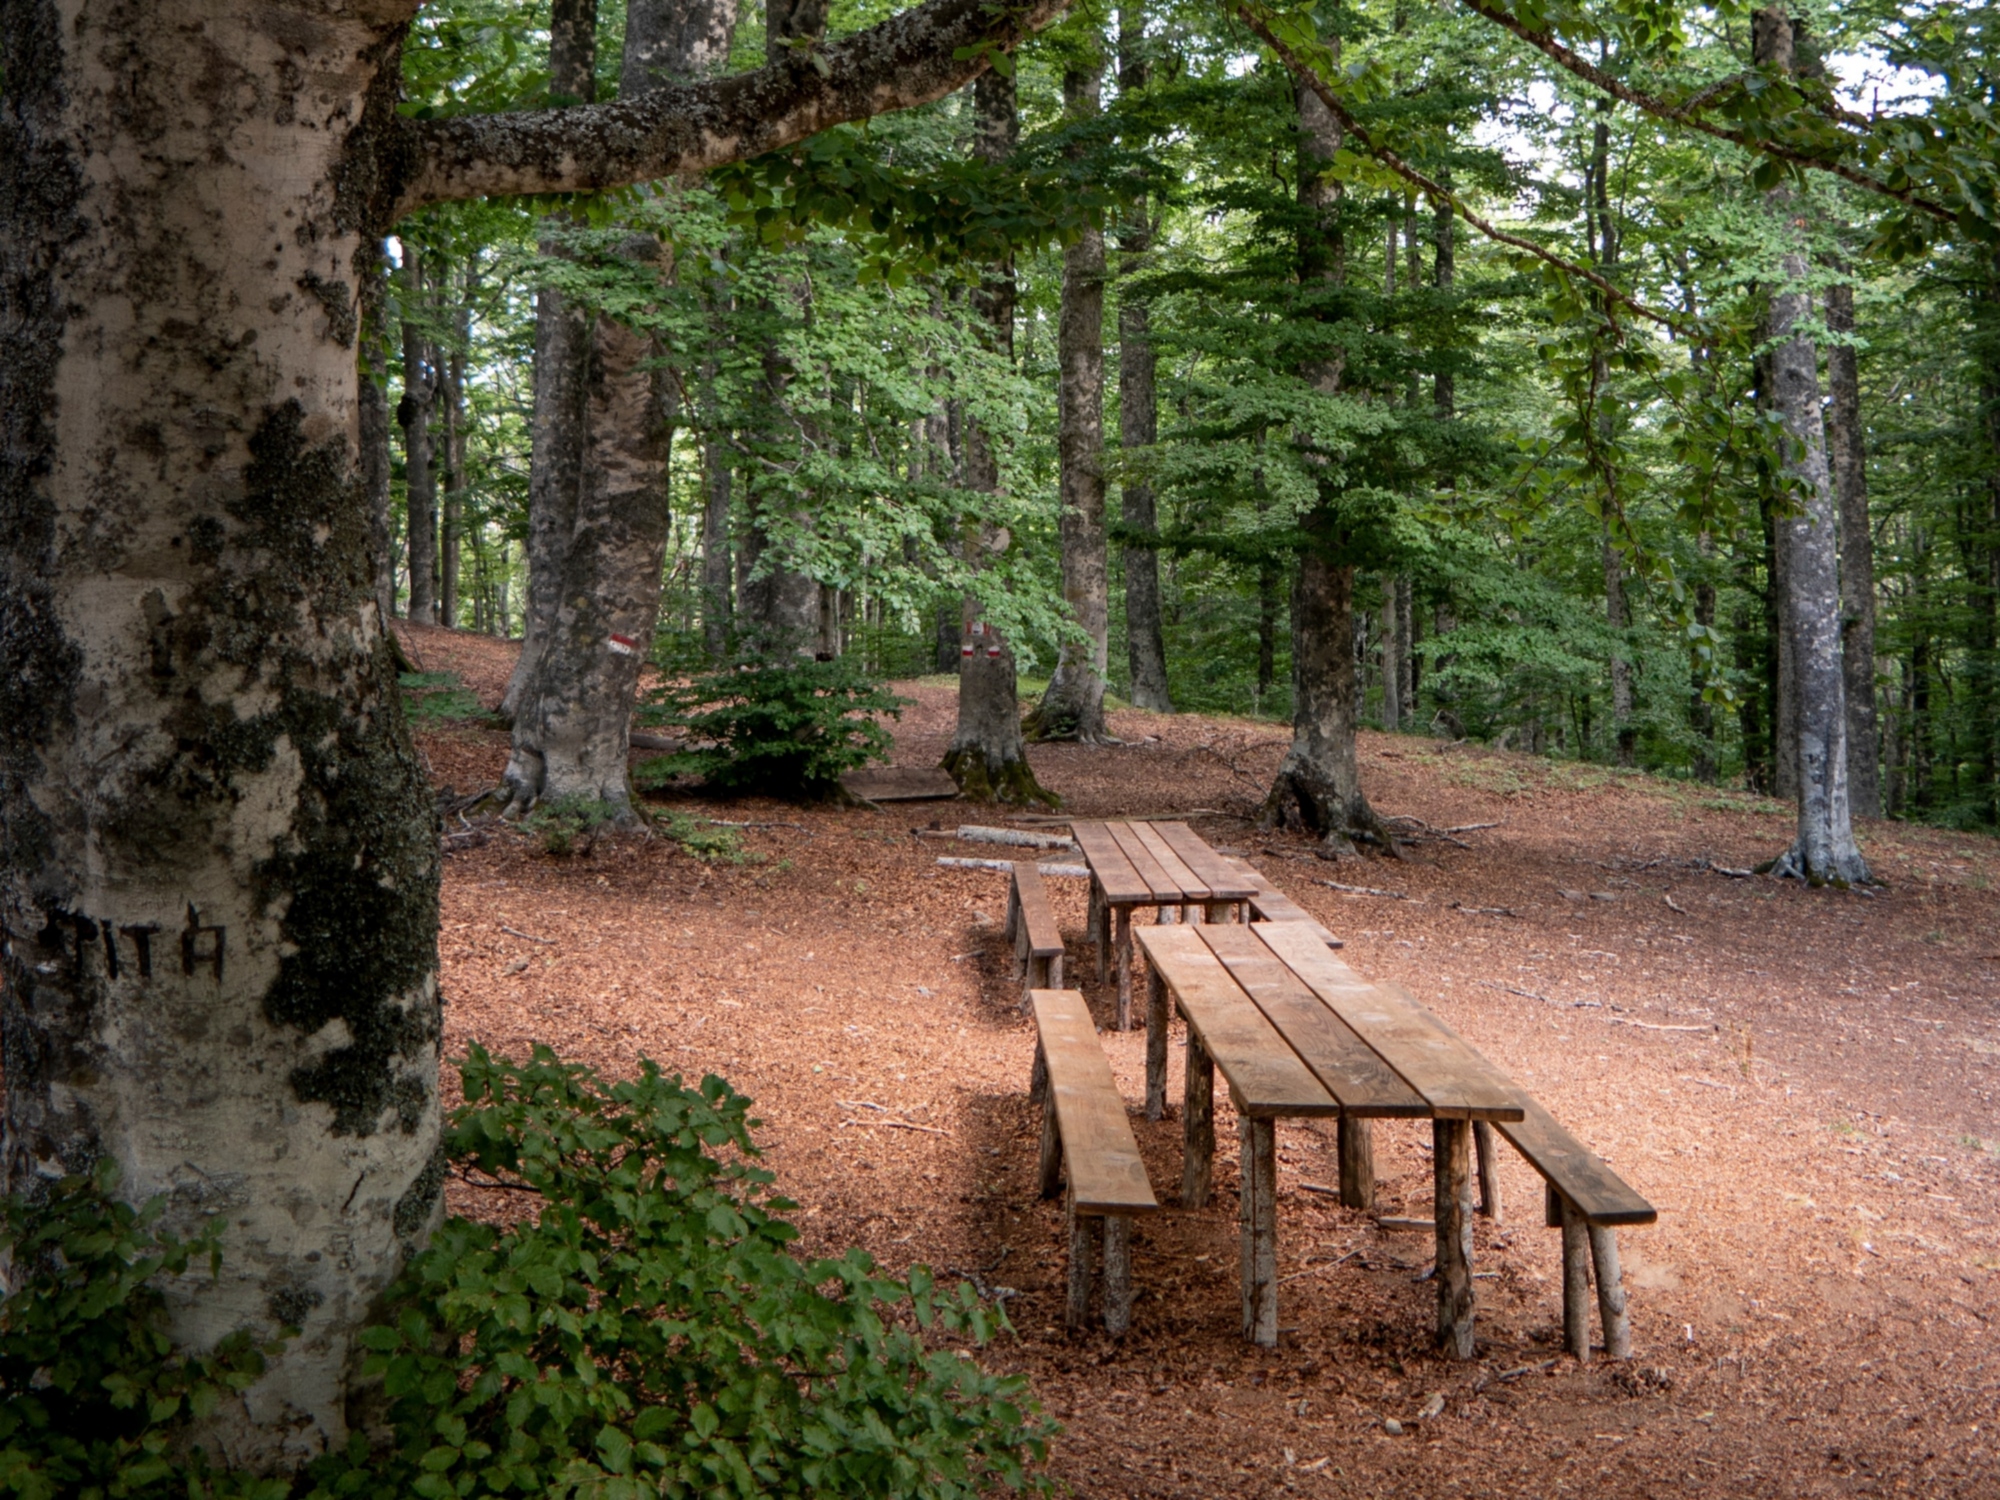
1167 866
1297 1033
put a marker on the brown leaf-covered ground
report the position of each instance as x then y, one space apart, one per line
1803 1082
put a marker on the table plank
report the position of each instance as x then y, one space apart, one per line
1226 881
1165 889
1265 1075
1458 1083
1346 1065
1106 1173
1120 882
1177 869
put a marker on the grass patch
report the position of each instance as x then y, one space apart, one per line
434 698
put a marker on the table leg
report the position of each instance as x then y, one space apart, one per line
1038 1075
1357 1163
1452 1209
1489 1172
1077 1308
1048 1171
1258 1213
1610 1293
1122 956
1095 923
1217 912
1197 1125
1117 1274
1158 1017
1576 1284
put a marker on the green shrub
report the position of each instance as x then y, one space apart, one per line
431 698
91 1390
788 728
705 841
649 1333
569 825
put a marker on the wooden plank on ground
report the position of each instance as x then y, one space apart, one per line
1346 1065
1225 879
1457 1082
1171 864
1044 934
1265 1075
1121 883
1100 1153
1273 905
1162 887
900 784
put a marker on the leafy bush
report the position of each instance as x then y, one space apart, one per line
91 1389
650 1334
705 841
788 728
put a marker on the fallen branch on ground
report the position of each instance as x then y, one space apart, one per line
1654 1026
973 833
1362 890
1485 911
728 823
545 942
895 1125
1315 1270
1006 867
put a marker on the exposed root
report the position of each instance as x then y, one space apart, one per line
981 778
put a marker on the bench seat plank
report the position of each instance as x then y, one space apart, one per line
1458 1083
1171 864
1265 1075
1272 905
1364 1084
1100 1153
1225 879
1161 886
1115 876
1044 932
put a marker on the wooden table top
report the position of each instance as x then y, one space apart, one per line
1158 864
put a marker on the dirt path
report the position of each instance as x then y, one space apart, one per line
1803 1082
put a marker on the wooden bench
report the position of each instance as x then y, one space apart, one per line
1087 1141
1269 904
1031 923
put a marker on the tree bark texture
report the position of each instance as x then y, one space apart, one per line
413 412
1847 448
1073 706
219 886
1138 410
218 850
988 756
1808 536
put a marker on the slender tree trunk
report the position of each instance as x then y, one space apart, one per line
1847 446
1392 658
1138 409
1809 538
454 460
1267 631
419 455
716 614
1982 558
1444 387
562 370
987 756
1318 785
1073 706
1605 238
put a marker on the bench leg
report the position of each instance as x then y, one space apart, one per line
1038 1076
1197 1125
1055 972
1013 908
1049 1170
1156 1044
1122 956
1097 925
1117 1274
1034 976
1610 1293
1257 1212
1576 1284
1357 1163
1451 1208
1081 1234
1218 912
1489 1172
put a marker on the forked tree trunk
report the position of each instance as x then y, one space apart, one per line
1809 539
221 857
987 757
1847 446
1073 706
419 450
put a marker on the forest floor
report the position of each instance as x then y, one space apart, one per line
1803 1083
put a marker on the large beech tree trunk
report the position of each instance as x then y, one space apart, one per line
987 756
1073 706
1847 446
218 853
1318 785
1809 540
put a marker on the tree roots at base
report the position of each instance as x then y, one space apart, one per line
981 778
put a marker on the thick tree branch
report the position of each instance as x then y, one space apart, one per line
1437 191
910 59
1687 114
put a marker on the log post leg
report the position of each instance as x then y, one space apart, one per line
1121 955
1096 923
1117 1274
1217 911
1191 913
1038 1076
1452 1210
1197 1125
1576 1284
1076 1311
1013 908
1049 1169
1258 1211
1610 1293
1055 972
1157 1017
1357 1163
1489 1172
